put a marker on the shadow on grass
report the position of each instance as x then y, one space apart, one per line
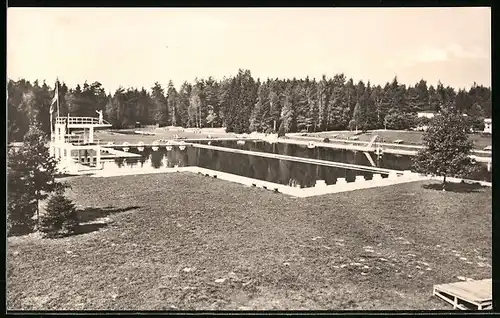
91 214
65 175
86 220
87 216
461 187
87 228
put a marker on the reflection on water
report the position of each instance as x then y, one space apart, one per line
267 169
387 161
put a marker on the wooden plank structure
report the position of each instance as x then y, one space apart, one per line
464 295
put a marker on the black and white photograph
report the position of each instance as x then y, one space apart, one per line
246 159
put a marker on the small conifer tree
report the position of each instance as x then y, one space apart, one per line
60 217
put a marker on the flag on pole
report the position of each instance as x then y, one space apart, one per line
51 109
56 96
55 99
51 112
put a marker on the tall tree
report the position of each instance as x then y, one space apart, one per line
160 105
194 107
288 120
172 101
274 105
423 95
261 112
212 105
183 103
323 95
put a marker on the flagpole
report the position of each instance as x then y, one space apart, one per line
57 91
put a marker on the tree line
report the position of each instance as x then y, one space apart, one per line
244 104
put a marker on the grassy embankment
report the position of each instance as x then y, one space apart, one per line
408 137
212 244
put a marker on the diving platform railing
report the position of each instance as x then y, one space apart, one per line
77 140
81 121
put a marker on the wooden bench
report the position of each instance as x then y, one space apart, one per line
462 295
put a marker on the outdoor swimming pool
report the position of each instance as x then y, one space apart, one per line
387 161
283 172
266 169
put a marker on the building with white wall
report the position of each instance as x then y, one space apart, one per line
426 114
487 125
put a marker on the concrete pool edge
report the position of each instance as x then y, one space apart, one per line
284 189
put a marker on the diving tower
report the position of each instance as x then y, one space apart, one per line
73 142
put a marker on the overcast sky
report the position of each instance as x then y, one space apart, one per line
138 46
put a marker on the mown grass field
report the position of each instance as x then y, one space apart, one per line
408 137
184 241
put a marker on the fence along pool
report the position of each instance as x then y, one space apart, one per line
266 169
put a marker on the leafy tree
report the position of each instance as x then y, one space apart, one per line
115 108
60 217
358 117
210 100
194 107
400 121
31 177
17 118
211 117
475 123
447 147
423 121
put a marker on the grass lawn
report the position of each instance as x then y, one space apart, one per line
409 137
212 244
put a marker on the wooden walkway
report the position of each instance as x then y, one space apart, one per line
462 295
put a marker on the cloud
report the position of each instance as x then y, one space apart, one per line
469 53
427 54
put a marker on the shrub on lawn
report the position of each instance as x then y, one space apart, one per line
60 217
